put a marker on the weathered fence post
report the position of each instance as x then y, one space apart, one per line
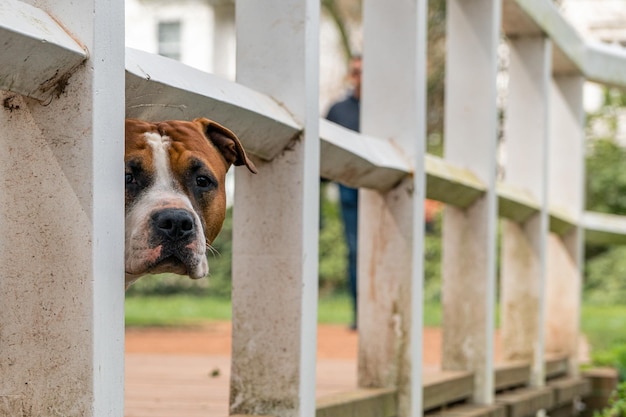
391 225
566 193
276 219
469 235
62 229
524 242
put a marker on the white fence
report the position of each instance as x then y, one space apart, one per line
61 202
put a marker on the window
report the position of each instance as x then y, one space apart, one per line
169 39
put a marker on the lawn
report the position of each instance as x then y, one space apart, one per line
604 326
183 310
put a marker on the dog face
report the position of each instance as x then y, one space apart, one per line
175 193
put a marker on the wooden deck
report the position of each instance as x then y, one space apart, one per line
166 385
185 373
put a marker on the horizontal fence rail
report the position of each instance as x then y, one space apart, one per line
38 55
45 60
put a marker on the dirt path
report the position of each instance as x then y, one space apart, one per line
334 341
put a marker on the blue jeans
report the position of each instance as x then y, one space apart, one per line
349 198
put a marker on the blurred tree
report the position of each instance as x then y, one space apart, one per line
605 268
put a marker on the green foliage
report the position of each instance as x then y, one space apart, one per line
436 64
617 404
432 262
604 325
605 283
606 177
605 192
333 251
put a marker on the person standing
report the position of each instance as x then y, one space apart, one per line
346 113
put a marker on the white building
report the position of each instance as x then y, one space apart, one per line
201 34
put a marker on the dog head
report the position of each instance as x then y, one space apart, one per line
175 193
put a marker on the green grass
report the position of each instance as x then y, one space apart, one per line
604 326
185 310
175 310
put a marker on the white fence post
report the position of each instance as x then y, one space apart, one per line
566 192
391 225
61 233
276 219
469 236
524 244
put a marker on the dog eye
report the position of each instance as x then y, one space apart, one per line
130 179
203 181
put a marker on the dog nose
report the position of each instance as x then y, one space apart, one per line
174 224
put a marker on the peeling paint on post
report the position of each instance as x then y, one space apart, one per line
469 235
566 189
524 244
391 223
61 234
275 217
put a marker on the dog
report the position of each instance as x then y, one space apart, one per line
175 193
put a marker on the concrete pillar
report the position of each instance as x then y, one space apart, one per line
469 235
391 225
62 231
276 214
566 184
524 245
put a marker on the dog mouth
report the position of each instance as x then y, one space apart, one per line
168 258
169 240
182 261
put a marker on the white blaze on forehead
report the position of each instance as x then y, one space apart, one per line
161 158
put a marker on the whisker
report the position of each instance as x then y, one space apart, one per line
212 250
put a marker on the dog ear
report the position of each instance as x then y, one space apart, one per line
226 142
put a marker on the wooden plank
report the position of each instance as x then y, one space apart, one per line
380 402
556 365
567 390
446 388
603 228
562 220
451 184
359 160
516 203
516 22
526 402
512 375
38 55
470 410
158 88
